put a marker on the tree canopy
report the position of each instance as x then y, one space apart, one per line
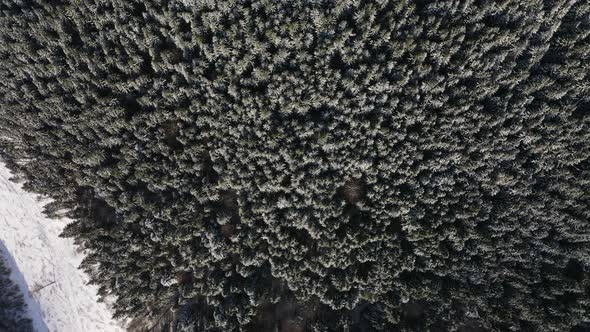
313 165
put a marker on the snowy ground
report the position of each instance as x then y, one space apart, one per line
41 257
33 311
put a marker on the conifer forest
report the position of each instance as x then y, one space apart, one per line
312 165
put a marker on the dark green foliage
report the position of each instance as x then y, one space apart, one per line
313 165
13 316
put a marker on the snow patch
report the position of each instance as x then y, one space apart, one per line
32 306
42 257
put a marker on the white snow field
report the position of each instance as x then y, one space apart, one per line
33 310
41 257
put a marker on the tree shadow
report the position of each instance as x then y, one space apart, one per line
32 305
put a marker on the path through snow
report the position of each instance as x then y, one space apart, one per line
42 256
